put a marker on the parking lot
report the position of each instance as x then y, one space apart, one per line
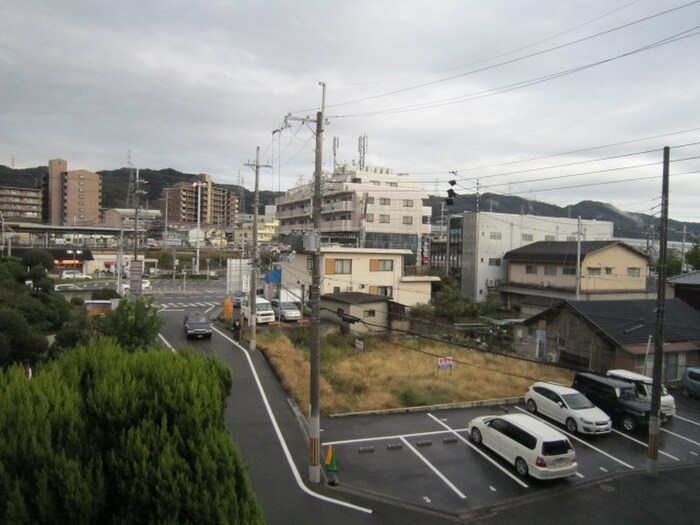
427 459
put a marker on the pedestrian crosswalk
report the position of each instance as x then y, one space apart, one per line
188 305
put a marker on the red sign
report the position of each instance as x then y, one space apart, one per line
444 362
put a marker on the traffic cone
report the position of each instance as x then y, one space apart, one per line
330 460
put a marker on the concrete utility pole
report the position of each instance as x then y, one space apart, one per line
654 425
255 256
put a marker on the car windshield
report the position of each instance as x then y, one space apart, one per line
556 448
288 306
628 392
197 319
577 401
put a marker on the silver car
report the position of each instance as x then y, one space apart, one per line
285 310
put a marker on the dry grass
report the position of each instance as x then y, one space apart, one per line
392 374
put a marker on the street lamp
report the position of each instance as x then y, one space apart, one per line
199 217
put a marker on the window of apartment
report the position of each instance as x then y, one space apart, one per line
549 237
570 237
375 182
81 190
568 270
336 289
593 271
407 220
393 184
496 236
384 291
384 201
335 266
495 262
369 313
531 269
310 264
634 272
407 203
550 269
527 237
608 270
384 219
370 200
381 265
369 217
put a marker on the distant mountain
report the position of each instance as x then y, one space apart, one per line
631 225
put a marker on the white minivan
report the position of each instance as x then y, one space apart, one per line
263 310
643 386
534 447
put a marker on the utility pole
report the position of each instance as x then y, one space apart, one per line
137 191
654 425
578 259
255 258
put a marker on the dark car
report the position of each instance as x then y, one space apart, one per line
616 398
238 298
197 325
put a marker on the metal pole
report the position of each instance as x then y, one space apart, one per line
654 423
254 270
136 217
315 296
578 259
199 218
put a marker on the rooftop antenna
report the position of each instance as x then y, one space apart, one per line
362 150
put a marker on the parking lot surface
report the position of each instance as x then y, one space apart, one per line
426 458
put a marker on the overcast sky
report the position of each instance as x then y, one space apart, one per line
531 98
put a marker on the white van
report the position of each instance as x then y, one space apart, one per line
263 310
534 447
643 387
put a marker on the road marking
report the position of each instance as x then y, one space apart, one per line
693 453
643 444
280 437
680 437
579 475
572 436
687 420
476 449
434 469
162 338
397 436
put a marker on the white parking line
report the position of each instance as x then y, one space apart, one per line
643 444
475 448
687 420
434 469
572 436
681 437
386 438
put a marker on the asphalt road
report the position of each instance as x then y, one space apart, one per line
401 485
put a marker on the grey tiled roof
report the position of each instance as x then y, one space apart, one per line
559 251
692 278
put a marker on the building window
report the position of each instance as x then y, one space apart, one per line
393 184
570 237
369 313
336 266
634 272
527 237
381 265
310 264
384 219
568 270
608 270
384 291
531 269
370 200
550 270
495 236
407 203
407 220
594 272
549 238
494 262
336 289
369 217
384 201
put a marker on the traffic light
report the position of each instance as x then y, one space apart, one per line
451 195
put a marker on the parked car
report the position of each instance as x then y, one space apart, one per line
198 325
145 285
74 274
567 406
532 446
643 385
263 310
238 298
285 310
616 398
690 385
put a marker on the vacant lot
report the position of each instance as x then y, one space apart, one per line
398 372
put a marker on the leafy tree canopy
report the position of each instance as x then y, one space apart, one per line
134 324
38 257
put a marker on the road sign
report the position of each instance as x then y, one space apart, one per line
444 362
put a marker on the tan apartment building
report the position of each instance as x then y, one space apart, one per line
378 272
547 271
20 204
70 197
218 206
243 232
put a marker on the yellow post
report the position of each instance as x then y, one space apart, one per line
228 309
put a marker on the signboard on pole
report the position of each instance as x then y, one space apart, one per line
359 345
444 362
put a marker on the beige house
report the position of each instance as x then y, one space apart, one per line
356 312
542 271
371 271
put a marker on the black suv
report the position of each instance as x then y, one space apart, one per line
616 398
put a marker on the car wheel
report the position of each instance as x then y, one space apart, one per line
629 424
571 425
532 406
684 391
476 435
521 467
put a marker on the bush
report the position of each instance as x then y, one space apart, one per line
422 311
104 294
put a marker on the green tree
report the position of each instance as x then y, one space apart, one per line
692 257
134 324
673 264
20 341
38 257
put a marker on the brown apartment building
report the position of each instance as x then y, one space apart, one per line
70 197
219 205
